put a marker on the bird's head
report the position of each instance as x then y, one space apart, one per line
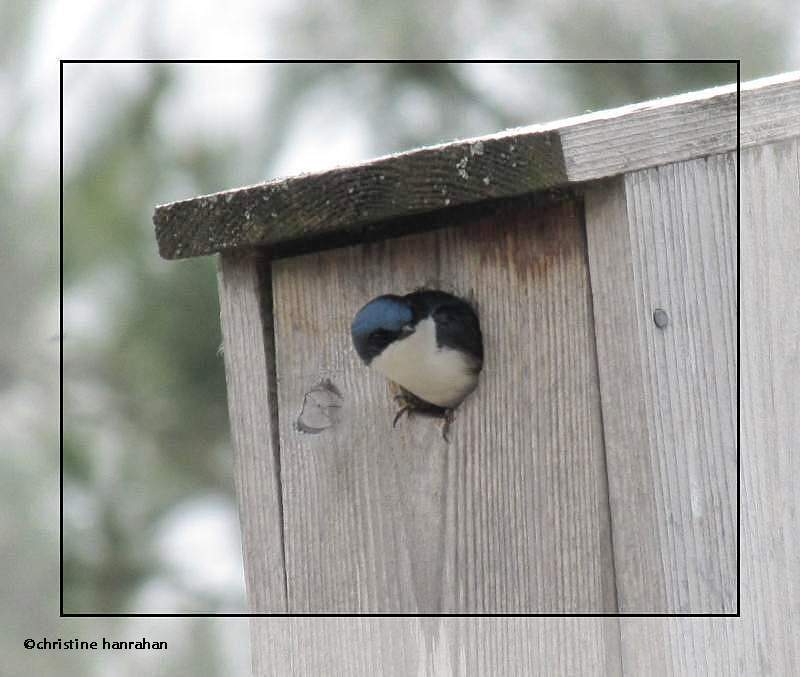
379 323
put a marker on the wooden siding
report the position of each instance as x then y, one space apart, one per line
512 514
515 514
662 245
436 647
417 523
762 641
245 314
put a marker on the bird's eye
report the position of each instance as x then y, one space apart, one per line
381 338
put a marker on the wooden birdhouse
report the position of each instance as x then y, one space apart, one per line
594 468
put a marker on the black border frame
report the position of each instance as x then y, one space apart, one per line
62 614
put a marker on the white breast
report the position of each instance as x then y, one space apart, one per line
441 376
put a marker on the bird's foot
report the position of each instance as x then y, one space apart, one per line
405 409
410 404
447 419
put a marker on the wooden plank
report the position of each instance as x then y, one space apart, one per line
764 641
436 646
680 127
662 248
397 185
245 306
657 132
511 516
509 163
770 109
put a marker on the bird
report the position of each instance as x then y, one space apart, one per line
428 344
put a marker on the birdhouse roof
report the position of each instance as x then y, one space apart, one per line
382 194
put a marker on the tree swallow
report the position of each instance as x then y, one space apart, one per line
428 343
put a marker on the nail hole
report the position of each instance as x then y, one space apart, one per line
661 318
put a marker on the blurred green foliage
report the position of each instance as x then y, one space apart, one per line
145 414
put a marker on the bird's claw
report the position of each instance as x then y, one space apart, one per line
405 409
411 404
448 419
408 410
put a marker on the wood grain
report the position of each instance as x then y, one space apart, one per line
247 345
309 205
504 647
650 134
505 164
770 109
681 127
512 515
665 240
764 641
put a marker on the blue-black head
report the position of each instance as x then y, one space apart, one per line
382 321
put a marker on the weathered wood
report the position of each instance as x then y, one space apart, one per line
511 163
770 109
679 127
512 515
247 343
764 641
663 242
503 647
397 185
654 133
406 527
